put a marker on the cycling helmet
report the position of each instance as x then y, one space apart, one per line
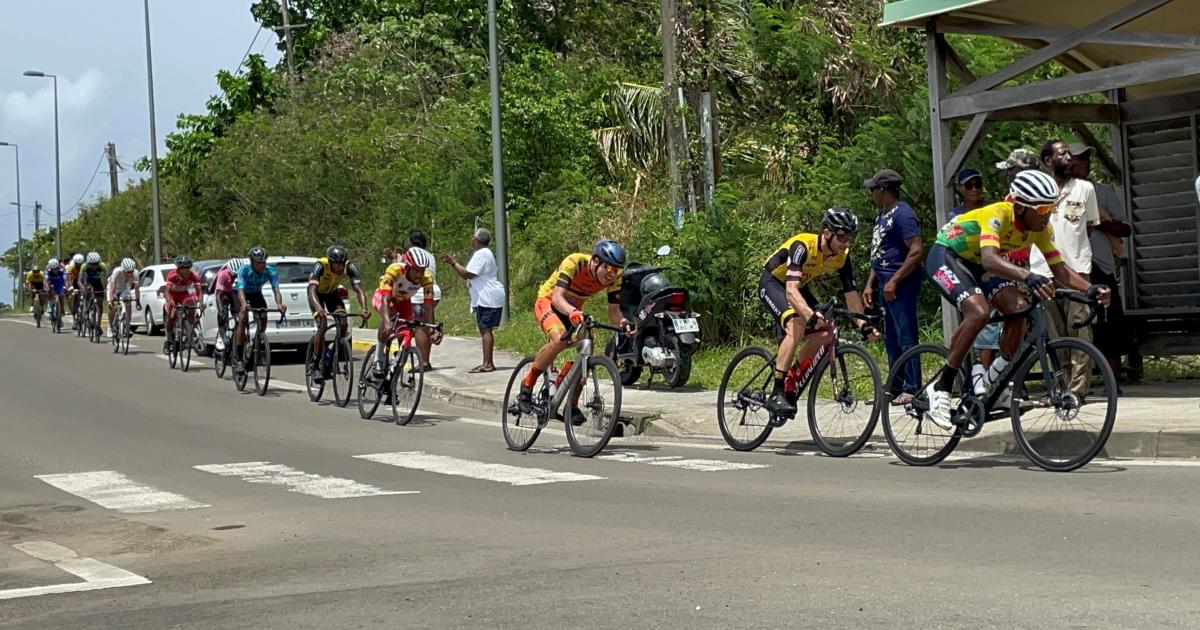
53 263
235 264
653 283
609 252
258 254
78 259
1034 188
417 257
128 264
93 258
840 219
336 254
183 262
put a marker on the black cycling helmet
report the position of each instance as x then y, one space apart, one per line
257 254
840 219
609 252
183 262
654 283
336 254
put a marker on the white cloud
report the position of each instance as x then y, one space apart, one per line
27 109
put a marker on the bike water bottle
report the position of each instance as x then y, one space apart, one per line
328 355
554 379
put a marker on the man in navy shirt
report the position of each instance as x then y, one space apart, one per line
896 253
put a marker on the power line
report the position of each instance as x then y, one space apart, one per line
246 56
89 186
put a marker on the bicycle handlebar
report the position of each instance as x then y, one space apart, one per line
1059 294
282 314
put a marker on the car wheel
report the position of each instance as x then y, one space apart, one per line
151 327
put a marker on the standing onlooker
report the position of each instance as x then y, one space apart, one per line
1107 251
1074 217
487 294
896 253
969 186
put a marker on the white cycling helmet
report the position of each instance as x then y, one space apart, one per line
417 257
93 258
235 264
1034 188
52 264
128 265
77 259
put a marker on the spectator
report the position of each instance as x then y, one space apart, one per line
1107 251
896 253
425 340
1074 217
969 186
487 294
1021 159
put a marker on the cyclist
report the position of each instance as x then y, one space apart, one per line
249 286
323 296
35 284
783 290
182 287
56 275
223 293
559 303
968 267
121 283
396 287
73 268
92 275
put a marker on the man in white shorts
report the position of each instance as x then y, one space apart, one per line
121 283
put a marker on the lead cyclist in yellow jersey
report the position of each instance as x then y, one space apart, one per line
968 267
323 296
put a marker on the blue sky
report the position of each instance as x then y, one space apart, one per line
97 49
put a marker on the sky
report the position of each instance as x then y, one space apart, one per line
97 49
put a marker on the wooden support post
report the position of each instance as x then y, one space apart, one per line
939 127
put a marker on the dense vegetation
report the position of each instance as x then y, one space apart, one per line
386 128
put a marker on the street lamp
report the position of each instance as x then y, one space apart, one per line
20 250
57 178
153 143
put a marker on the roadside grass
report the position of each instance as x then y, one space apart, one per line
1170 369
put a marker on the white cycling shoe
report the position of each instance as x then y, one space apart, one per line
939 407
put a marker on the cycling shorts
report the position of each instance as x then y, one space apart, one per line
958 279
773 295
331 302
254 300
553 323
400 308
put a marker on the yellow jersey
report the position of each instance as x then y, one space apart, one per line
800 259
395 282
994 226
327 281
35 277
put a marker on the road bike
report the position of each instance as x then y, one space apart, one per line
592 383
1055 427
403 378
39 306
122 329
223 345
336 362
181 341
255 352
56 322
90 327
845 391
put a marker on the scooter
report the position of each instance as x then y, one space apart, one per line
666 328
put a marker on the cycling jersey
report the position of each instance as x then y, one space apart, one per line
94 275
119 284
179 289
57 277
35 278
396 283
800 259
575 275
251 281
327 281
994 226
72 272
224 281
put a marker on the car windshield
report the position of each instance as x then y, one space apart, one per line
293 272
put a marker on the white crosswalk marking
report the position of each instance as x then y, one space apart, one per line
298 480
702 465
115 491
501 473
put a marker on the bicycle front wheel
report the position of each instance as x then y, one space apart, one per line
343 373
116 336
407 381
368 391
315 388
185 346
1057 428
95 323
599 391
741 414
912 436
522 426
262 364
222 352
126 332
844 400
173 348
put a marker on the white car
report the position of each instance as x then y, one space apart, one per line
297 328
151 280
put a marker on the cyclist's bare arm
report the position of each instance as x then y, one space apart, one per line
614 315
797 301
362 300
558 298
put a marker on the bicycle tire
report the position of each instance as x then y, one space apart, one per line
222 352
600 416
369 394
757 433
933 443
126 331
94 320
847 398
116 336
185 347
173 347
521 429
343 373
406 384
262 364
1036 448
315 389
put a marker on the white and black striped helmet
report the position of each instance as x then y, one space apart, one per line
1034 188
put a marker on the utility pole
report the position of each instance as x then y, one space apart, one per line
668 18
153 147
287 36
37 216
111 151
498 211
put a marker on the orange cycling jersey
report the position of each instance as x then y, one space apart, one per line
395 281
574 275
994 226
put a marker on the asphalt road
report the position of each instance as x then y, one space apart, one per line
288 527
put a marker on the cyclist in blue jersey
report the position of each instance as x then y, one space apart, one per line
56 276
249 287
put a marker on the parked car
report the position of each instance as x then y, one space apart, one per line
297 328
152 278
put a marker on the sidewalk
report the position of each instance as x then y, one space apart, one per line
1153 421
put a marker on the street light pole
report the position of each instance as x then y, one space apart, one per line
20 298
57 177
499 217
153 144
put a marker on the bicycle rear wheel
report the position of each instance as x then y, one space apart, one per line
913 437
522 427
315 388
343 373
369 393
1069 432
600 402
262 364
744 389
844 400
407 381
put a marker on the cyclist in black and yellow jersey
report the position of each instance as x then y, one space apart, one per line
324 296
783 290
35 284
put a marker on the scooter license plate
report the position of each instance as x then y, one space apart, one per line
687 325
